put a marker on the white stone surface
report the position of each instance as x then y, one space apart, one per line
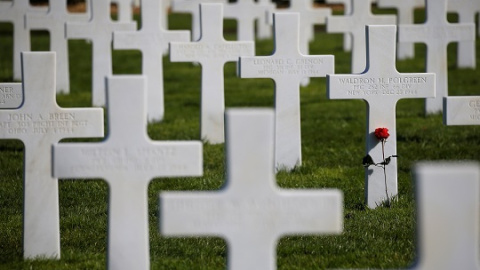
347 10
152 40
436 33
251 212
11 95
355 25
14 12
466 10
287 67
309 17
99 29
54 22
264 26
193 7
212 51
124 10
460 111
128 160
405 15
447 215
246 13
381 86
39 123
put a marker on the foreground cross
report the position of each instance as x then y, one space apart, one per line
100 30
54 21
11 95
39 123
251 212
354 24
448 199
287 67
381 86
128 160
193 7
467 10
436 33
152 40
405 15
461 111
14 12
212 51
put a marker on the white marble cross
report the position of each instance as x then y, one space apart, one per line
152 40
128 160
193 7
246 12
212 51
287 67
251 212
264 26
309 17
381 86
125 10
347 10
11 95
14 12
39 123
405 11
100 30
54 21
467 10
436 33
461 111
448 199
354 24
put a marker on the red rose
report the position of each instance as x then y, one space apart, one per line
381 133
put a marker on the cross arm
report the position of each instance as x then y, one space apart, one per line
78 30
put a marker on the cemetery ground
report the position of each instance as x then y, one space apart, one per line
333 145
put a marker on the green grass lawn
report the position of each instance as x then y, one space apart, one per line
333 144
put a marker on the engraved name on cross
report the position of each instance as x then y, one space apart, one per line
251 212
212 51
152 40
39 123
287 67
128 160
461 110
100 30
11 95
381 86
436 33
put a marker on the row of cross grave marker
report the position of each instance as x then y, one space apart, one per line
251 213
96 25
438 32
286 76
32 123
282 66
